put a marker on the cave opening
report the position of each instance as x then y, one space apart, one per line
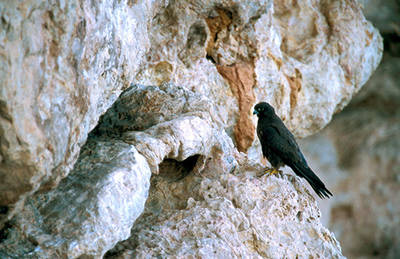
177 170
169 191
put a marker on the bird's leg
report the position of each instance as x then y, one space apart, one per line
270 171
275 171
263 172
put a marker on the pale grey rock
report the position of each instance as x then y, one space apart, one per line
141 107
65 63
228 216
163 122
289 45
177 139
91 209
306 38
62 64
358 156
197 207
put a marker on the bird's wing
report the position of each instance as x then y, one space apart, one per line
282 144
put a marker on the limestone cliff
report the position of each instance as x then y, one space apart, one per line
358 153
175 82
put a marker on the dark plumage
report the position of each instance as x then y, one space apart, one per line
280 148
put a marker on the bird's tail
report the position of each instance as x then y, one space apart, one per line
314 181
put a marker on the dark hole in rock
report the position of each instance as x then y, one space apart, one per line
169 191
299 215
391 43
177 170
3 209
211 59
4 231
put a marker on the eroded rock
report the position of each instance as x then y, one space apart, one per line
90 211
226 215
281 40
62 65
163 122
362 166
69 62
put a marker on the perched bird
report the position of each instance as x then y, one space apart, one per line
280 148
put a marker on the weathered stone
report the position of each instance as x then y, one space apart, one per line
91 210
62 64
228 215
289 45
241 80
308 37
162 122
193 161
141 107
358 155
78 56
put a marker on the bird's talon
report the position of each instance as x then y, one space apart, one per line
267 170
274 171
270 171
277 171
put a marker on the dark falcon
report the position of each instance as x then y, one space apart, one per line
280 147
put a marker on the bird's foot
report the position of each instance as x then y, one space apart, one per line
273 171
270 171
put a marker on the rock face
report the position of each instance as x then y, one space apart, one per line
190 72
364 138
228 216
90 210
61 66
358 154
197 205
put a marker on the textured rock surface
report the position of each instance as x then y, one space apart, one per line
90 211
288 44
62 64
163 122
77 57
221 215
363 143
362 164
197 68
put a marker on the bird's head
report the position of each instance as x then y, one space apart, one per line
263 109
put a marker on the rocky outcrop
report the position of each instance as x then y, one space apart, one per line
197 68
90 210
63 64
68 63
362 167
235 216
358 154
205 199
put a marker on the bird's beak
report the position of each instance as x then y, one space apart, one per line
255 112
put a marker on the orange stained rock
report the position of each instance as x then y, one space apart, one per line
240 77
